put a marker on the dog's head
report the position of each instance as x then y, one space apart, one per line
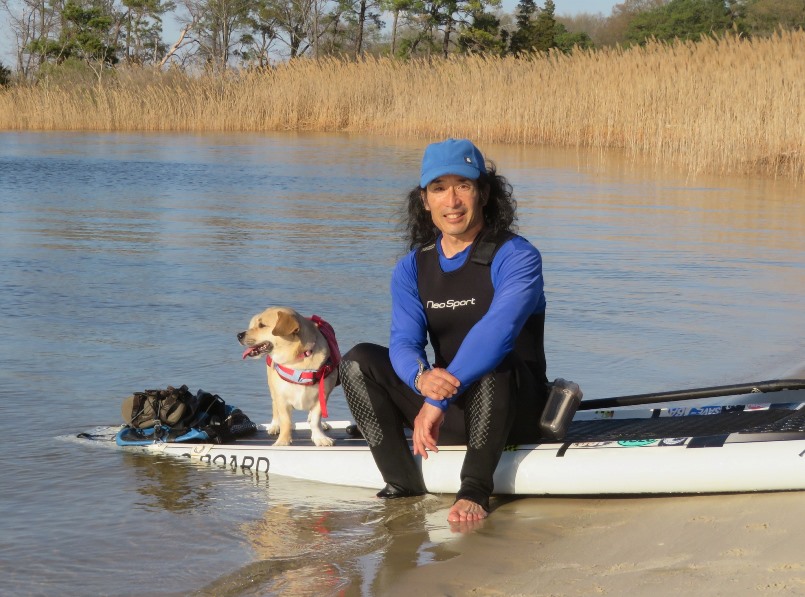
279 332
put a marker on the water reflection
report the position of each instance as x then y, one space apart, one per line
346 549
168 484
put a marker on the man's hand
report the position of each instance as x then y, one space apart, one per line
438 384
426 429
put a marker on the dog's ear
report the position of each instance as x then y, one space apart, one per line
286 325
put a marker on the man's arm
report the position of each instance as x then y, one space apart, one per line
409 326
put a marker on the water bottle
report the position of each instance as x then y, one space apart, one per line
563 400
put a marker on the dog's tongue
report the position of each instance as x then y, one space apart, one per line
248 352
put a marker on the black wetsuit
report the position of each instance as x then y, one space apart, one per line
500 408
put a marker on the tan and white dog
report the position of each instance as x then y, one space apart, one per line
302 367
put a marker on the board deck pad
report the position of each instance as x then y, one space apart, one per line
773 420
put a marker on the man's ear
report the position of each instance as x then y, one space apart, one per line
424 198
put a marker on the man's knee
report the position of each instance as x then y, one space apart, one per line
370 360
366 352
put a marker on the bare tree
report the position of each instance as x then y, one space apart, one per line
216 24
32 23
141 23
256 43
360 16
300 25
178 44
396 7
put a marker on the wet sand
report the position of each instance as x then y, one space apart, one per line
699 545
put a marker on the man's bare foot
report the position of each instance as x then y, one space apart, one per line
466 516
465 510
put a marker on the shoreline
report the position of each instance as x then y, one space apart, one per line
689 544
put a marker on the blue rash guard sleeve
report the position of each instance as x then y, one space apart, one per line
517 279
409 326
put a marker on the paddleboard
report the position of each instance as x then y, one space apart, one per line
679 448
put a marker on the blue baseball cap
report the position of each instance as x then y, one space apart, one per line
453 156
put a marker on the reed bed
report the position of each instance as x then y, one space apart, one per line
722 106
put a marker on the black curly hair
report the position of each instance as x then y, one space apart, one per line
499 212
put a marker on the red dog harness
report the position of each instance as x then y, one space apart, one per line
308 377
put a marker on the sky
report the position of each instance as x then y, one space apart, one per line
572 7
563 7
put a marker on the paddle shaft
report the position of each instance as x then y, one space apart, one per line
774 385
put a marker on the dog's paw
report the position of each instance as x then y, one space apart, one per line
323 440
283 441
273 428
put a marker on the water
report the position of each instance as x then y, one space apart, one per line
131 261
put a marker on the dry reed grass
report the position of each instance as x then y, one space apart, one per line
716 106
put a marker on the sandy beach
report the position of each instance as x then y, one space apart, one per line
697 545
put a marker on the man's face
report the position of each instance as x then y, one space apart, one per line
455 205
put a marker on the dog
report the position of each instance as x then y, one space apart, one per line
302 368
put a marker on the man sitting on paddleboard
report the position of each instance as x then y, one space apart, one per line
475 289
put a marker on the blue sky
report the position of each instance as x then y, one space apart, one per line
571 7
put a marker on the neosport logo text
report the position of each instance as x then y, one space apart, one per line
451 304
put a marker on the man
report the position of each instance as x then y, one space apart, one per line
475 289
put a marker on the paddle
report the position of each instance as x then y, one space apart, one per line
774 385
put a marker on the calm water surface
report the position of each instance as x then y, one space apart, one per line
131 261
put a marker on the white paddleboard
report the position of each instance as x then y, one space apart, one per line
678 449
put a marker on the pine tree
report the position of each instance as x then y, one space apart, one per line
483 35
523 37
5 75
545 28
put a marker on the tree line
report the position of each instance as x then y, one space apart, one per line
222 34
